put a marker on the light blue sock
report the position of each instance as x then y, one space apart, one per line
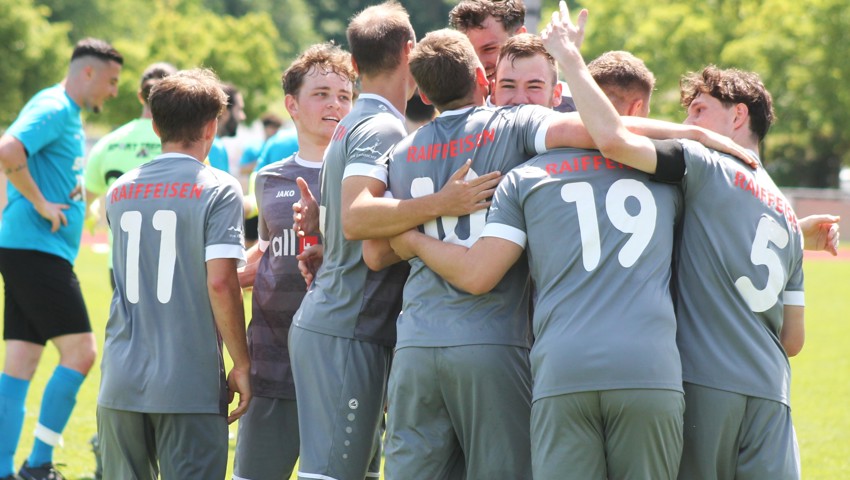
60 396
13 395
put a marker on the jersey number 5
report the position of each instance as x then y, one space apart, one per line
760 300
641 226
164 221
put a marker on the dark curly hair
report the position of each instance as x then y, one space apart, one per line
732 86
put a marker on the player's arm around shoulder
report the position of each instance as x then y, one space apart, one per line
476 270
563 40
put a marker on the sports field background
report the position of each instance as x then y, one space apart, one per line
820 391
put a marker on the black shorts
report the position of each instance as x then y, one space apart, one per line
251 226
43 299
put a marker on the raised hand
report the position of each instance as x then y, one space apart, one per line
305 212
561 37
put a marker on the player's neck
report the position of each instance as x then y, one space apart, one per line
746 139
196 150
73 89
392 86
310 149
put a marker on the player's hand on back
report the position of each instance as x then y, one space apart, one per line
305 212
464 194
238 381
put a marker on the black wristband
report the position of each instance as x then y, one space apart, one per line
670 161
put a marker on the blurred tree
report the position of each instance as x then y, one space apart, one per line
35 54
799 48
292 18
106 19
331 17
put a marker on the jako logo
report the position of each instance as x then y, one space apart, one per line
285 193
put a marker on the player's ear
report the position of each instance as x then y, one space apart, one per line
742 116
556 94
210 129
291 104
354 66
635 108
424 97
155 128
481 76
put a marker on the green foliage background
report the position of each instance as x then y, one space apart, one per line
800 49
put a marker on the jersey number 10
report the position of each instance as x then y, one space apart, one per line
422 186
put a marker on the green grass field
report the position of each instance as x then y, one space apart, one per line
821 375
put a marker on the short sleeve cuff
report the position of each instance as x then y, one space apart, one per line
794 298
506 232
378 172
540 137
263 245
226 250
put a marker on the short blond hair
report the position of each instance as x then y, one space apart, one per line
377 35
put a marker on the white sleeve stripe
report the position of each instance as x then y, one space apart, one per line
378 172
225 250
263 245
505 232
794 298
540 137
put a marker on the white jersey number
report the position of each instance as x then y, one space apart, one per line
423 186
640 226
164 221
767 232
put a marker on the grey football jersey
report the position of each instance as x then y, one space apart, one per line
162 352
347 299
599 241
278 285
435 313
740 262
